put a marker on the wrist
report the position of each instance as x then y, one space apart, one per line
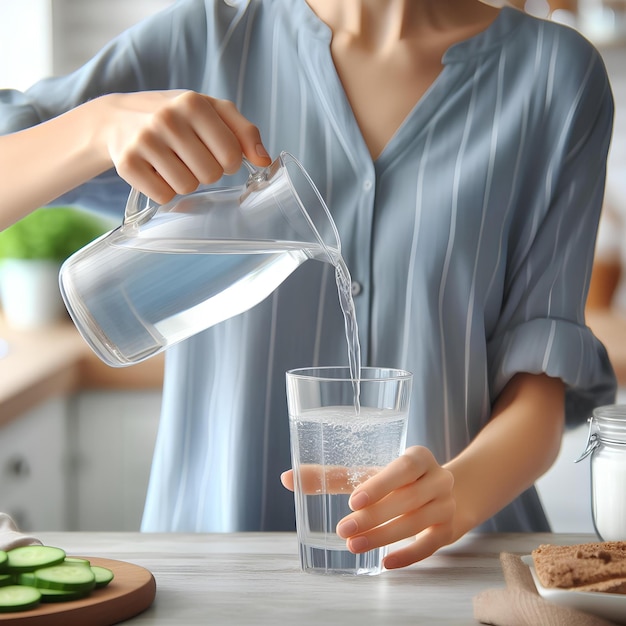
92 120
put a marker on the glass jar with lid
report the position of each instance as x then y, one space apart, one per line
606 446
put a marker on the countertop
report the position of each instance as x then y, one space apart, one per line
52 361
255 579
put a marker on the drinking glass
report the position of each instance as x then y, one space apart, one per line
335 446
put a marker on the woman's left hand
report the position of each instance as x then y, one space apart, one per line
412 497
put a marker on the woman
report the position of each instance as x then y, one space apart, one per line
461 150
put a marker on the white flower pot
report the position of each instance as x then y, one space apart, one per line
29 293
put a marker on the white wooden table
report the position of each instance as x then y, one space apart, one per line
255 579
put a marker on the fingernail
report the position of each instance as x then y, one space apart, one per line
359 544
261 151
347 528
358 500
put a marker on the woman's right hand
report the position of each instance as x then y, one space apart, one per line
161 142
168 142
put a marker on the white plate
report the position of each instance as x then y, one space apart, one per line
610 606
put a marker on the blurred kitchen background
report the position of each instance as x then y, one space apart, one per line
76 437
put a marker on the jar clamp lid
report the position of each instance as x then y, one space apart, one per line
606 425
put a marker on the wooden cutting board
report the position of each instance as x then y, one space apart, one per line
131 591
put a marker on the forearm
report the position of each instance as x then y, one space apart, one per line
41 163
518 444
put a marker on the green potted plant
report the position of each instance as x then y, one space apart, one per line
31 253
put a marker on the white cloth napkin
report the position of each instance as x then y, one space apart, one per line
11 537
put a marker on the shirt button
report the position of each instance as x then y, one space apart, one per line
367 185
356 288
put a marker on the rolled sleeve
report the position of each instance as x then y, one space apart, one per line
560 349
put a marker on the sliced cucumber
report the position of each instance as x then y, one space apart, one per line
18 598
6 579
74 559
103 576
45 574
56 595
27 578
51 595
30 558
66 577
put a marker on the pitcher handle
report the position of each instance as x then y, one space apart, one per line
256 175
139 208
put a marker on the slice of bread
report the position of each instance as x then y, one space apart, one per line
596 566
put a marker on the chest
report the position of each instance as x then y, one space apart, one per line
383 89
385 78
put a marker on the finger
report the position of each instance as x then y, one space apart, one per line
436 512
432 486
175 131
312 478
334 479
196 132
406 469
169 166
425 544
142 176
248 135
286 478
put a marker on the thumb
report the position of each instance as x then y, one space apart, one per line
286 478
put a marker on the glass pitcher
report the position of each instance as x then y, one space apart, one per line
170 271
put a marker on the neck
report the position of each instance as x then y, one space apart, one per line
377 23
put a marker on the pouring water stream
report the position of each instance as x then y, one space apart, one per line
344 291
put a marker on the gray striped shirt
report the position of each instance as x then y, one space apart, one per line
470 240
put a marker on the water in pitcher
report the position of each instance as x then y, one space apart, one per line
139 313
177 286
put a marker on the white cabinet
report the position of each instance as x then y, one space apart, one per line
33 468
80 463
112 435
